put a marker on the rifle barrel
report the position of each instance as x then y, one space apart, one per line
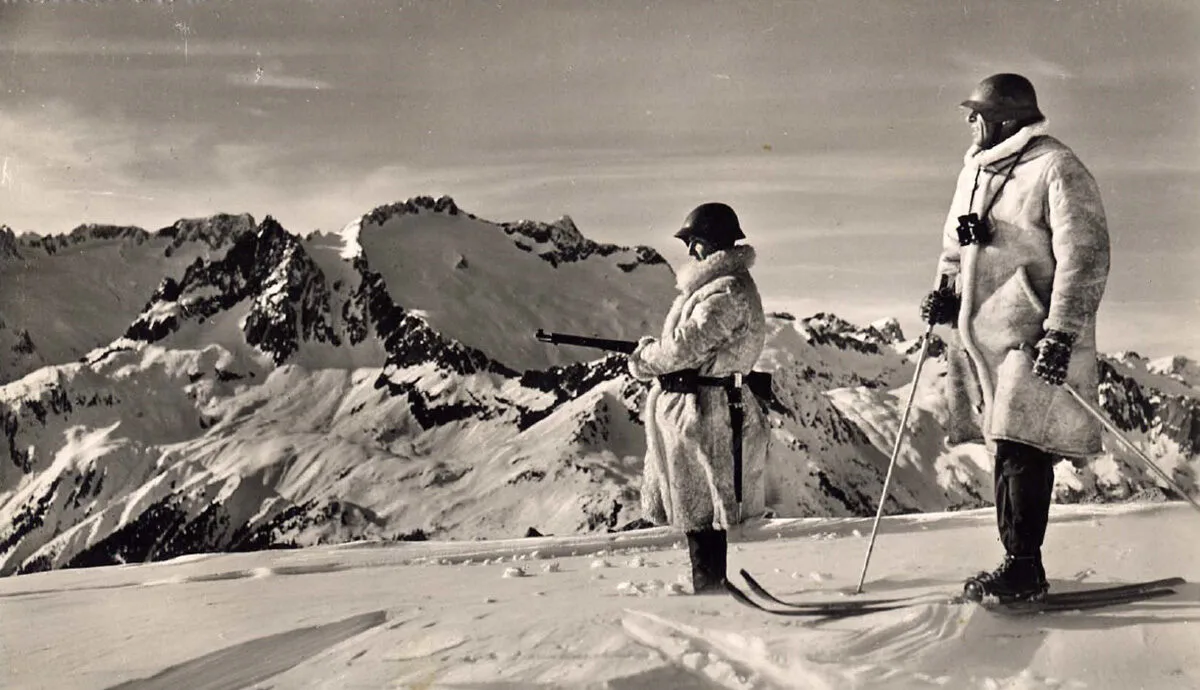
625 346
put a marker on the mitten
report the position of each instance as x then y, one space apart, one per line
1053 356
940 306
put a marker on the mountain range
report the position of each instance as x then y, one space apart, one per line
224 384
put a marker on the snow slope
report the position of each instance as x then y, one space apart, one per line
62 295
605 611
492 287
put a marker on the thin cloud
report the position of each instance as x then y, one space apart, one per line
1029 65
269 80
122 195
26 44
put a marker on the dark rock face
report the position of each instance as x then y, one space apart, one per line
1124 401
382 214
24 344
1132 407
288 292
567 383
215 231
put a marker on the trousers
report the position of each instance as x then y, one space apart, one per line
1024 478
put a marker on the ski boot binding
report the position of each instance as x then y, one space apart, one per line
1018 578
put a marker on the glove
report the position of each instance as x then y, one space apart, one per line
940 306
637 368
1053 356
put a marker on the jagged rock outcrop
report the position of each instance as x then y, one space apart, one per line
566 244
287 294
215 231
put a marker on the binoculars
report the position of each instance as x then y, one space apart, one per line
973 230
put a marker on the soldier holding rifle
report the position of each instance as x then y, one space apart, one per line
713 335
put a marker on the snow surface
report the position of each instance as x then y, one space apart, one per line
477 286
607 611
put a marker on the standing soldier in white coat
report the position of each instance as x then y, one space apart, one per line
712 337
1026 256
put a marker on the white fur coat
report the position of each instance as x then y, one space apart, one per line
1045 267
716 325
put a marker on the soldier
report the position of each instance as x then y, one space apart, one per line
1026 257
715 330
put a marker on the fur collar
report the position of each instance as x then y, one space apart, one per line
978 158
718 264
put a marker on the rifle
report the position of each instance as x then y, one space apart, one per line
624 346
759 382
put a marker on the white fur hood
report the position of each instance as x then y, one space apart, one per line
737 259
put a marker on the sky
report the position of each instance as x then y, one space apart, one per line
831 126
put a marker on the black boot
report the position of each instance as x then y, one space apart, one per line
707 550
1024 482
1019 578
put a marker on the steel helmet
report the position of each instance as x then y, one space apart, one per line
1003 97
715 223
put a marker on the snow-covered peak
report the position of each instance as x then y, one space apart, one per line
889 329
215 231
828 350
492 286
561 242
269 273
413 206
85 235
63 295
1180 368
829 329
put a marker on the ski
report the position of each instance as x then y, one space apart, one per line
836 610
1106 593
828 605
814 611
1055 597
1114 590
1019 608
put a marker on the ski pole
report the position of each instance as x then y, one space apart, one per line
1093 410
896 448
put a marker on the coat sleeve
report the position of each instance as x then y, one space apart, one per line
1079 239
717 315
